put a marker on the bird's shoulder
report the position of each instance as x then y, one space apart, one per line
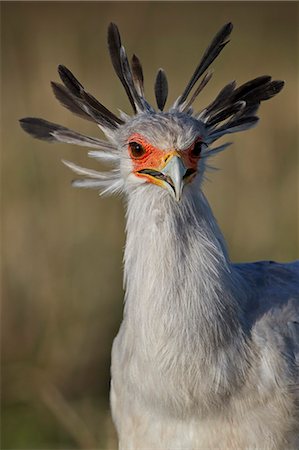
272 309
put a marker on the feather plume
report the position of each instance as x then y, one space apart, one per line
161 89
265 92
51 132
106 187
137 74
103 156
111 175
216 104
114 44
245 88
239 123
70 81
129 79
234 108
240 102
115 187
223 114
97 106
98 112
234 126
214 151
216 46
107 182
88 183
250 85
198 90
69 101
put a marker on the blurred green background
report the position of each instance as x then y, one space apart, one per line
62 248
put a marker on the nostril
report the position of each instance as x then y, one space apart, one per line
166 158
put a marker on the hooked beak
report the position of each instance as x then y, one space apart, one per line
174 172
171 176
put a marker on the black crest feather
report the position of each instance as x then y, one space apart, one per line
234 108
199 88
223 95
161 89
51 132
93 103
249 86
69 101
226 113
69 80
264 92
126 70
39 128
114 44
76 97
241 102
216 46
238 123
137 73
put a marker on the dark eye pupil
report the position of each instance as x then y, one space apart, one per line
196 149
137 149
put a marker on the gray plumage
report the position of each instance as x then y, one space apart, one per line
208 351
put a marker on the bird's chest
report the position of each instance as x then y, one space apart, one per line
142 424
171 376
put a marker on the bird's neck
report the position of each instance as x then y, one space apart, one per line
178 277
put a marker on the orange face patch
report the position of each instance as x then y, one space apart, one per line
146 156
152 158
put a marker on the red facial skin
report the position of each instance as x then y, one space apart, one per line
156 159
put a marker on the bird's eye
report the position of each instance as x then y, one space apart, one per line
136 149
196 150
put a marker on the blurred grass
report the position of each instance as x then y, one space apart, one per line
62 248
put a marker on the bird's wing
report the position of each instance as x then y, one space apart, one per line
272 311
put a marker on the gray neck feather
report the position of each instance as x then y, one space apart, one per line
183 299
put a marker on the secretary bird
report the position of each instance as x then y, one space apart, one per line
207 354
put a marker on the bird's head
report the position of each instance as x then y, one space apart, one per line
161 150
